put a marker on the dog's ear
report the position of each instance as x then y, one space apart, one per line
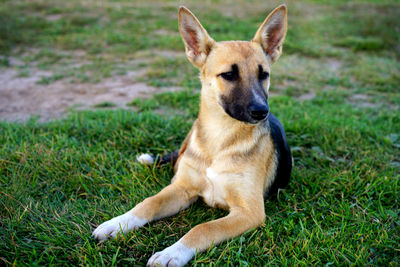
197 42
272 32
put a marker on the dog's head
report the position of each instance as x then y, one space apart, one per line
235 74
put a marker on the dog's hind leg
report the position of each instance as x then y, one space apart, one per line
167 202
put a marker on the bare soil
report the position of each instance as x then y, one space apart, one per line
23 97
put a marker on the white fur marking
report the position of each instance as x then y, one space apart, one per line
176 255
146 159
123 223
215 191
211 174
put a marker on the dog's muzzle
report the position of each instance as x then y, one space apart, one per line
258 112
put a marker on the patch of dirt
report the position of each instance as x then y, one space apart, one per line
362 101
334 64
359 97
170 54
53 17
168 112
308 96
163 32
15 62
22 97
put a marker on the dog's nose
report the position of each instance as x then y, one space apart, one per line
258 112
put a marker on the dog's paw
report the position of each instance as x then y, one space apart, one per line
176 255
122 223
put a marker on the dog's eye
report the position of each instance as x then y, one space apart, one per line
229 76
263 75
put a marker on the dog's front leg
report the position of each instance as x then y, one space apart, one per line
239 220
167 202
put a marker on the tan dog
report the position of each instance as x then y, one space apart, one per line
235 152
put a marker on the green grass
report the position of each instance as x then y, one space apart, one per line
105 105
60 179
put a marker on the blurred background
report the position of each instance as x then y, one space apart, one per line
56 55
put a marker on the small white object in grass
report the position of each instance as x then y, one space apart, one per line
145 159
123 223
176 255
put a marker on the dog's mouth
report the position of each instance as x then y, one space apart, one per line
261 120
253 122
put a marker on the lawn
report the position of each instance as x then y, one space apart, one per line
335 89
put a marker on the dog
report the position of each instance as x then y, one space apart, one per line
236 151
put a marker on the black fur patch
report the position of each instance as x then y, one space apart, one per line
262 75
231 75
238 100
283 153
167 158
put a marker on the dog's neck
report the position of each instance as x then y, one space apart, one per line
214 115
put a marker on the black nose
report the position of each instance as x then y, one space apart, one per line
258 111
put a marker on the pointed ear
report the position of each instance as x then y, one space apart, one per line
197 42
272 32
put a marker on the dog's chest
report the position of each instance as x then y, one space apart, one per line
214 193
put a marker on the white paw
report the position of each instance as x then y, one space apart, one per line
176 255
146 159
122 223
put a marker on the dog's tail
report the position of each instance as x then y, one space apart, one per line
159 160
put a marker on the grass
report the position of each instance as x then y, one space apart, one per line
105 104
60 179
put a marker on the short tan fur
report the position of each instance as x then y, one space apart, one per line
227 158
